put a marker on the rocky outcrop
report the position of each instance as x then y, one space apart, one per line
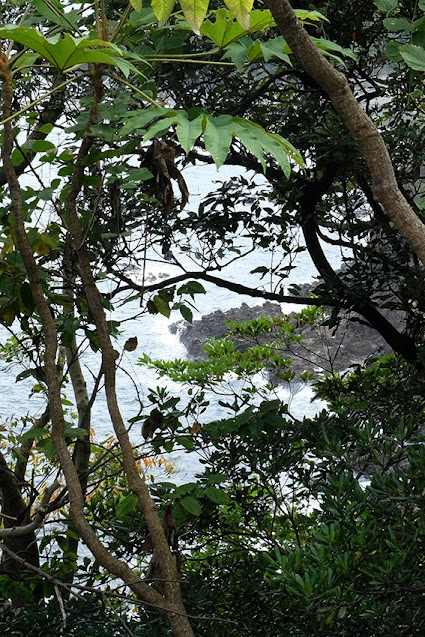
321 349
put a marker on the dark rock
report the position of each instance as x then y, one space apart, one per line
322 349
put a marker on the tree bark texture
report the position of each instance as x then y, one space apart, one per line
170 605
375 153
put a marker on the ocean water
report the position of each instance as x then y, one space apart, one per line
155 339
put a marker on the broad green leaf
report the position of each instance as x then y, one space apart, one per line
188 131
127 504
140 120
161 126
41 145
241 10
238 52
191 505
195 287
305 15
270 143
386 5
137 5
218 496
414 56
162 9
327 45
53 12
194 11
223 30
249 139
162 306
24 61
276 48
393 52
218 137
186 313
63 52
397 24
422 5
260 20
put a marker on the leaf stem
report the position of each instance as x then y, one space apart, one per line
147 97
189 61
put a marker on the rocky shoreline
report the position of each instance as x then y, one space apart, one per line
322 349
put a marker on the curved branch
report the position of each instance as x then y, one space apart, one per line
239 288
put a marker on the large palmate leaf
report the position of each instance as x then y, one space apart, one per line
222 28
218 133
67 52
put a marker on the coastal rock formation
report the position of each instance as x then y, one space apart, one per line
322 349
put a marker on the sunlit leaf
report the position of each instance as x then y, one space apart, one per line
241 10
162 9
218 137
137 5
188 131
194 11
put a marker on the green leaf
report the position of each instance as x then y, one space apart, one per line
186 313
306 15
195 287
270 143
162 9
218 496
386 6
127 504
137 5
327 45
422 5
186 442
218 137
54 13
223 30
63 52
140 120
276 48
393 52
397 24
162 306
414 56
238 52
188 130
241 10
191 505
250 140
194 11
42 145
34 434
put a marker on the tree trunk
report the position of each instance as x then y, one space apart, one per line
384 184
